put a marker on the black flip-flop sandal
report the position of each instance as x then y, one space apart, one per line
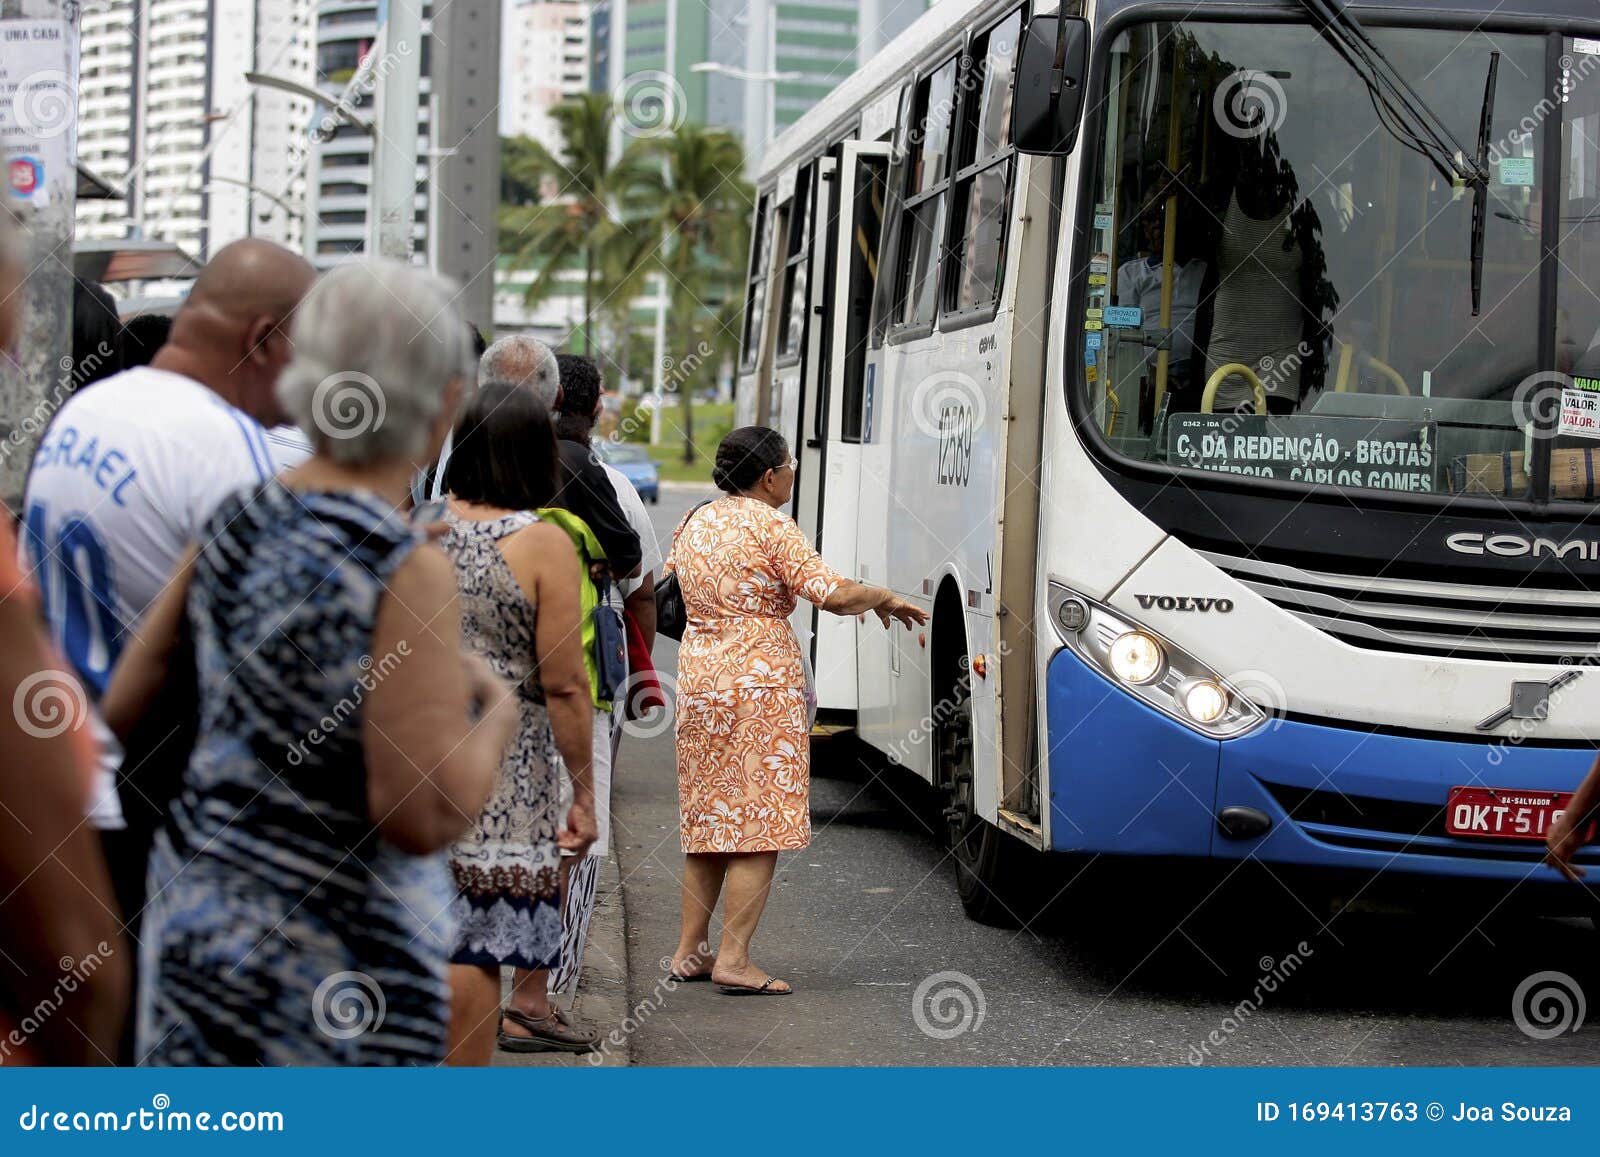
764 989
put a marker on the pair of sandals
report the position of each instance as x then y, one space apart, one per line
553 1033
763 989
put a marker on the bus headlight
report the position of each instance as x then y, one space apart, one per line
1204 700
1153 669
1136 658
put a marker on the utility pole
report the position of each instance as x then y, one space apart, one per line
466 180
39 149
391 220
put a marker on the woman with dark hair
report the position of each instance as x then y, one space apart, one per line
518 579
743 727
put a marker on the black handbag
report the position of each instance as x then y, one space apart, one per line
672 617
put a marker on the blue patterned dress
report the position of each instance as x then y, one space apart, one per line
282 929
507 866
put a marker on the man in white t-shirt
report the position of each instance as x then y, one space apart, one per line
130 470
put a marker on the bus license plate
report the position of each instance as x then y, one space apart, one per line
1504 813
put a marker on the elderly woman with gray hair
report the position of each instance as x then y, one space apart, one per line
300 886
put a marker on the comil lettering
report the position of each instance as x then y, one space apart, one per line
1516 546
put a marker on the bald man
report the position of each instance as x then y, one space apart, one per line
129 471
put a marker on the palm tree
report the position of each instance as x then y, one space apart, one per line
695 205
575 217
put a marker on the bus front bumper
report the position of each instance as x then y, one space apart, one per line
1126 779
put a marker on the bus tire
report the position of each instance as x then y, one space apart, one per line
989 867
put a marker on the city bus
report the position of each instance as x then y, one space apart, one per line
1224 379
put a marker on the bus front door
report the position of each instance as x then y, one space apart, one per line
844 318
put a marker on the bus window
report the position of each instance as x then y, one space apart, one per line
871 188
927 153
1578 271
755 304
792 300
983 176
1275 285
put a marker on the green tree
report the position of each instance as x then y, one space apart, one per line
694 204
573 217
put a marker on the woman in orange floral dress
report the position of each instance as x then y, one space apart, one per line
743 732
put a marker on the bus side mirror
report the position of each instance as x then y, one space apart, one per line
1047 102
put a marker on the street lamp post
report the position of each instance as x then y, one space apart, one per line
392 218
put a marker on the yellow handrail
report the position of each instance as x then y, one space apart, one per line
1220 374
1347 354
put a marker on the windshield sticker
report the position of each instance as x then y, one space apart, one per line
1094 314
1381 453
1102 220
1587 47
1099 263
1516 171
1091 358
1586 383
1105 206
1091 373
1094 323
1125 315
1097 279
1580 414
1093 340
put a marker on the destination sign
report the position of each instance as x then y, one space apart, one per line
1382 453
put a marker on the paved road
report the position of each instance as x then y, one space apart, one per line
1127 972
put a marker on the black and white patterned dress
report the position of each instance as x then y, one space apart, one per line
282 929
507 867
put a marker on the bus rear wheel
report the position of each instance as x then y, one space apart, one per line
986 861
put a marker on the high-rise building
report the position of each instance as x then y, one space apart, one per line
770 60
109 57
544 58
339 176
166 115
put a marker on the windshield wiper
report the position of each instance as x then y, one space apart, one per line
1401 111
1480 187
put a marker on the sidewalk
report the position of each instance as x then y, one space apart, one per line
602 1000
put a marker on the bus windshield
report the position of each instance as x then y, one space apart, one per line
1278 286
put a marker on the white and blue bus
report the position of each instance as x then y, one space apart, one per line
1224 377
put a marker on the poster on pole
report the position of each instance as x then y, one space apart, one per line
38 109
